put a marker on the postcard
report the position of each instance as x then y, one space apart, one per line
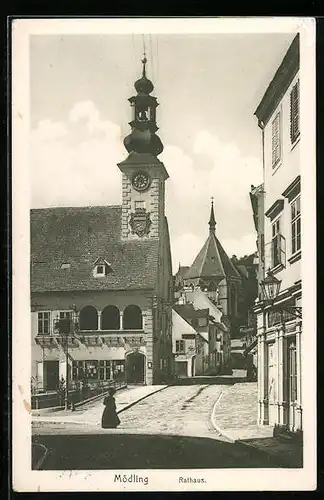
164 332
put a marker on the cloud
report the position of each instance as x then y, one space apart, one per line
226 175
240 246
184 249
184 183
232 174
74 163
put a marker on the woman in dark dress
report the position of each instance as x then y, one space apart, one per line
110 418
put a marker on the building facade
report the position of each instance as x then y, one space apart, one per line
212 284
277 212
101 277
184 346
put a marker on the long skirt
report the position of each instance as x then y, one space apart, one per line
110 419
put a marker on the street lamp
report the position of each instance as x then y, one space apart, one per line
270 288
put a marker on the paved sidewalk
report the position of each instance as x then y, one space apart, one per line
91 413
235 417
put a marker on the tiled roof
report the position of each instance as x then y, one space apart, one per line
212 262
79 236
187 311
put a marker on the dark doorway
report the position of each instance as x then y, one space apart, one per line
181 368
135 368
51 375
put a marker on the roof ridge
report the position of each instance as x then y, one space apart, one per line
75 207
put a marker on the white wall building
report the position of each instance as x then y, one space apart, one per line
279 245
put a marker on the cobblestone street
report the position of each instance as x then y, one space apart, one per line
169 429
177 410
180 410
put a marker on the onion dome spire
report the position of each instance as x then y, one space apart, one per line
212 220
144 85
143 139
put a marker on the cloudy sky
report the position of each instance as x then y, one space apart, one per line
208 87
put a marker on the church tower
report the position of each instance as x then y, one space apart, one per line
214 273
143 174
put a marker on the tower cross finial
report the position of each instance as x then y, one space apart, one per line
144 61
212 221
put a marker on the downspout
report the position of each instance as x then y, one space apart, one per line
261 124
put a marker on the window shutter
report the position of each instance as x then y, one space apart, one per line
294 112
276 140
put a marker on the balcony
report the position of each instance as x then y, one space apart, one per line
121 333
88 338
56 340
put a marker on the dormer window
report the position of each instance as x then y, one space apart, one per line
101 268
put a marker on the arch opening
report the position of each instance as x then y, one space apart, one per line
88 318
110 318
132 318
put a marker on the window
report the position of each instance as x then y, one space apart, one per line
180 345
294 113
91 369
295 225
104 370
139 205
63 324
43 323
118 368
277 245
276 140
78 370
65 265
102 269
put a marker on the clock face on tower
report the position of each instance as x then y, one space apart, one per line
141 181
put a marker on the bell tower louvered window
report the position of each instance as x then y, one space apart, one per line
294 113
276 140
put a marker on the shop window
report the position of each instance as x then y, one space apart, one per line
104 369
78 370
118 369
91 368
